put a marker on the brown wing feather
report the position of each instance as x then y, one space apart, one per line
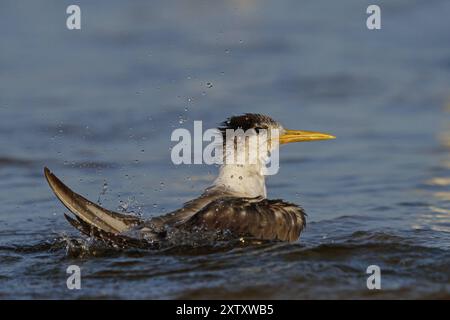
88 211
255 217
189 209
108 238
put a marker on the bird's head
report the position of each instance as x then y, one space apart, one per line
256 125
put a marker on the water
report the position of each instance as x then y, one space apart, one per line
98 106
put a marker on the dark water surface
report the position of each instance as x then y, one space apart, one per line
98 106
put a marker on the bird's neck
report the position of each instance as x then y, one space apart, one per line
242 180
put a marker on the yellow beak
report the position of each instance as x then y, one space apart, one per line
299 136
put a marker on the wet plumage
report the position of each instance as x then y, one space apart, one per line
236 203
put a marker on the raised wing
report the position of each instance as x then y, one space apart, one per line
89 212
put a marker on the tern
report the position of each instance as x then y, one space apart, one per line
236 202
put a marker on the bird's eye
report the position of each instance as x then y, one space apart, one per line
257 129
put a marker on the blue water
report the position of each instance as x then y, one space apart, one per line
98 106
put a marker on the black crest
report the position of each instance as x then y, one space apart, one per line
248 121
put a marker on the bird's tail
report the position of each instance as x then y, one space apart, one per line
91 219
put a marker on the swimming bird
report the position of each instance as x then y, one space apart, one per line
236 202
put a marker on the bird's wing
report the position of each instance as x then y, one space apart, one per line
111 239
117 228
254 217
189 209
88 212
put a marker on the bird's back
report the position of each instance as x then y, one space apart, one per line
258 217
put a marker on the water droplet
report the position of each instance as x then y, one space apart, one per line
181 119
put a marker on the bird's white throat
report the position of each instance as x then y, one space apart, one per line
242 180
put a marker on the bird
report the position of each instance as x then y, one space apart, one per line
235 203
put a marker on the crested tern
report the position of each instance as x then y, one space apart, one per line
236 202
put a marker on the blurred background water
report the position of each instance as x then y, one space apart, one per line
98 106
